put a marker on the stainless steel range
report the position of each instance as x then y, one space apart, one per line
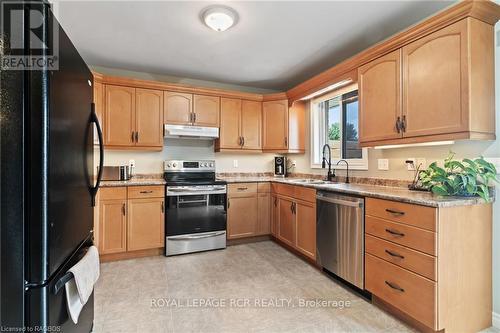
195 218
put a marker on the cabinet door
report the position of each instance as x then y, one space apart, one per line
99 107
275 125
230 118
274 215
251 124
380 98
435 82
206 110
297 127
177 108
242 216
119 116
149 117
264 214
305 215
286 221
146 224
112 226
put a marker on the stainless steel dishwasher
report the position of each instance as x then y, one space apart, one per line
340 236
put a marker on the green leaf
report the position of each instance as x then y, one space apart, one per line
439 190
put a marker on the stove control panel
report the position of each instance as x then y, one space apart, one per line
189 166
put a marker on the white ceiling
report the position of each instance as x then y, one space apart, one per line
275 45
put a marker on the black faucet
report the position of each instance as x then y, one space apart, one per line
330 174
347 175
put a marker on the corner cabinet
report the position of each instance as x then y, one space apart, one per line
133 118
439 87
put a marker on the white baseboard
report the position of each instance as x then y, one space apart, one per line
496 320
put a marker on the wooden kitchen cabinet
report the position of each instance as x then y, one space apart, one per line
98 98
133 118
286 221
297 127
379 86
305 215
242 213
119 114
274 214
440 87
149 118
112 224
275 126
264 209
146 223
177 108
206 110
240 125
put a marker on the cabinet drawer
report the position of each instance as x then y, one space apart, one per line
113 193
242 188
296 192
283 189
415 238
415 215
137 192
264 187
412 260
407 291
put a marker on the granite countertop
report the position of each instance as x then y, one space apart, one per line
133 182
400 194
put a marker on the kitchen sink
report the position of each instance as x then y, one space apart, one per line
310 181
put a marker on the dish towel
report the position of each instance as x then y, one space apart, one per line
85 275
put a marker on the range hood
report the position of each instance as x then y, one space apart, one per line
189 132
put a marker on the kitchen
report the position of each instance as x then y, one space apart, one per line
227 206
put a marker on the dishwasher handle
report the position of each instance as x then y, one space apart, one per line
357 204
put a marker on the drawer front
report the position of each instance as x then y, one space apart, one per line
242 188
415 215
407 291
283 189
409 259
296 192
415 238
138 192
113 193
264 187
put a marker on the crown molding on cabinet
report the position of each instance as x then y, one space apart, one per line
483 10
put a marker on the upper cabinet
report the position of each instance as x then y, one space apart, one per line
380 117
177 108
439 87
240 125
275 128
206 110
283 128
133 118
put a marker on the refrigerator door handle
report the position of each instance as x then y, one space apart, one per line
94 119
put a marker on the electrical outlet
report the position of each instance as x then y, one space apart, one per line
383 164
293 164
422 162
131 163
411 166
235 163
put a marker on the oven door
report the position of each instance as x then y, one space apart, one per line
191 213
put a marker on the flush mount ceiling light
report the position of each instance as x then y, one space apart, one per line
219 18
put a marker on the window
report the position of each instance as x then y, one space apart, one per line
334 121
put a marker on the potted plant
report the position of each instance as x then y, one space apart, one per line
465 178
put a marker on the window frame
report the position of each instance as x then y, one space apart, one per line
354 163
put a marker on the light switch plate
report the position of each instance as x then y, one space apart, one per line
411 167
131 163
235 163
383 164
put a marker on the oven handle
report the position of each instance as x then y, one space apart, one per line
212 234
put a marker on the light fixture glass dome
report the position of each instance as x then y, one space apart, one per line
219 18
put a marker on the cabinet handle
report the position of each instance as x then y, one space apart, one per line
133 136
396 233
393 254
275 202
393 286
228 203
291 207
239 141
242 188
163 206
395 212
286 142
398 125
242 141
136 136
194 117
123 210
294 208
145 192
403 124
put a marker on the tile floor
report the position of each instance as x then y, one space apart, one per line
132 295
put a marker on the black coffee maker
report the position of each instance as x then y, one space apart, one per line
279 166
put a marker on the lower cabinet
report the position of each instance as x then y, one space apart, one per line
249 210
294 217
131 219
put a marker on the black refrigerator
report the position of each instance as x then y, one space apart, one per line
47 185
